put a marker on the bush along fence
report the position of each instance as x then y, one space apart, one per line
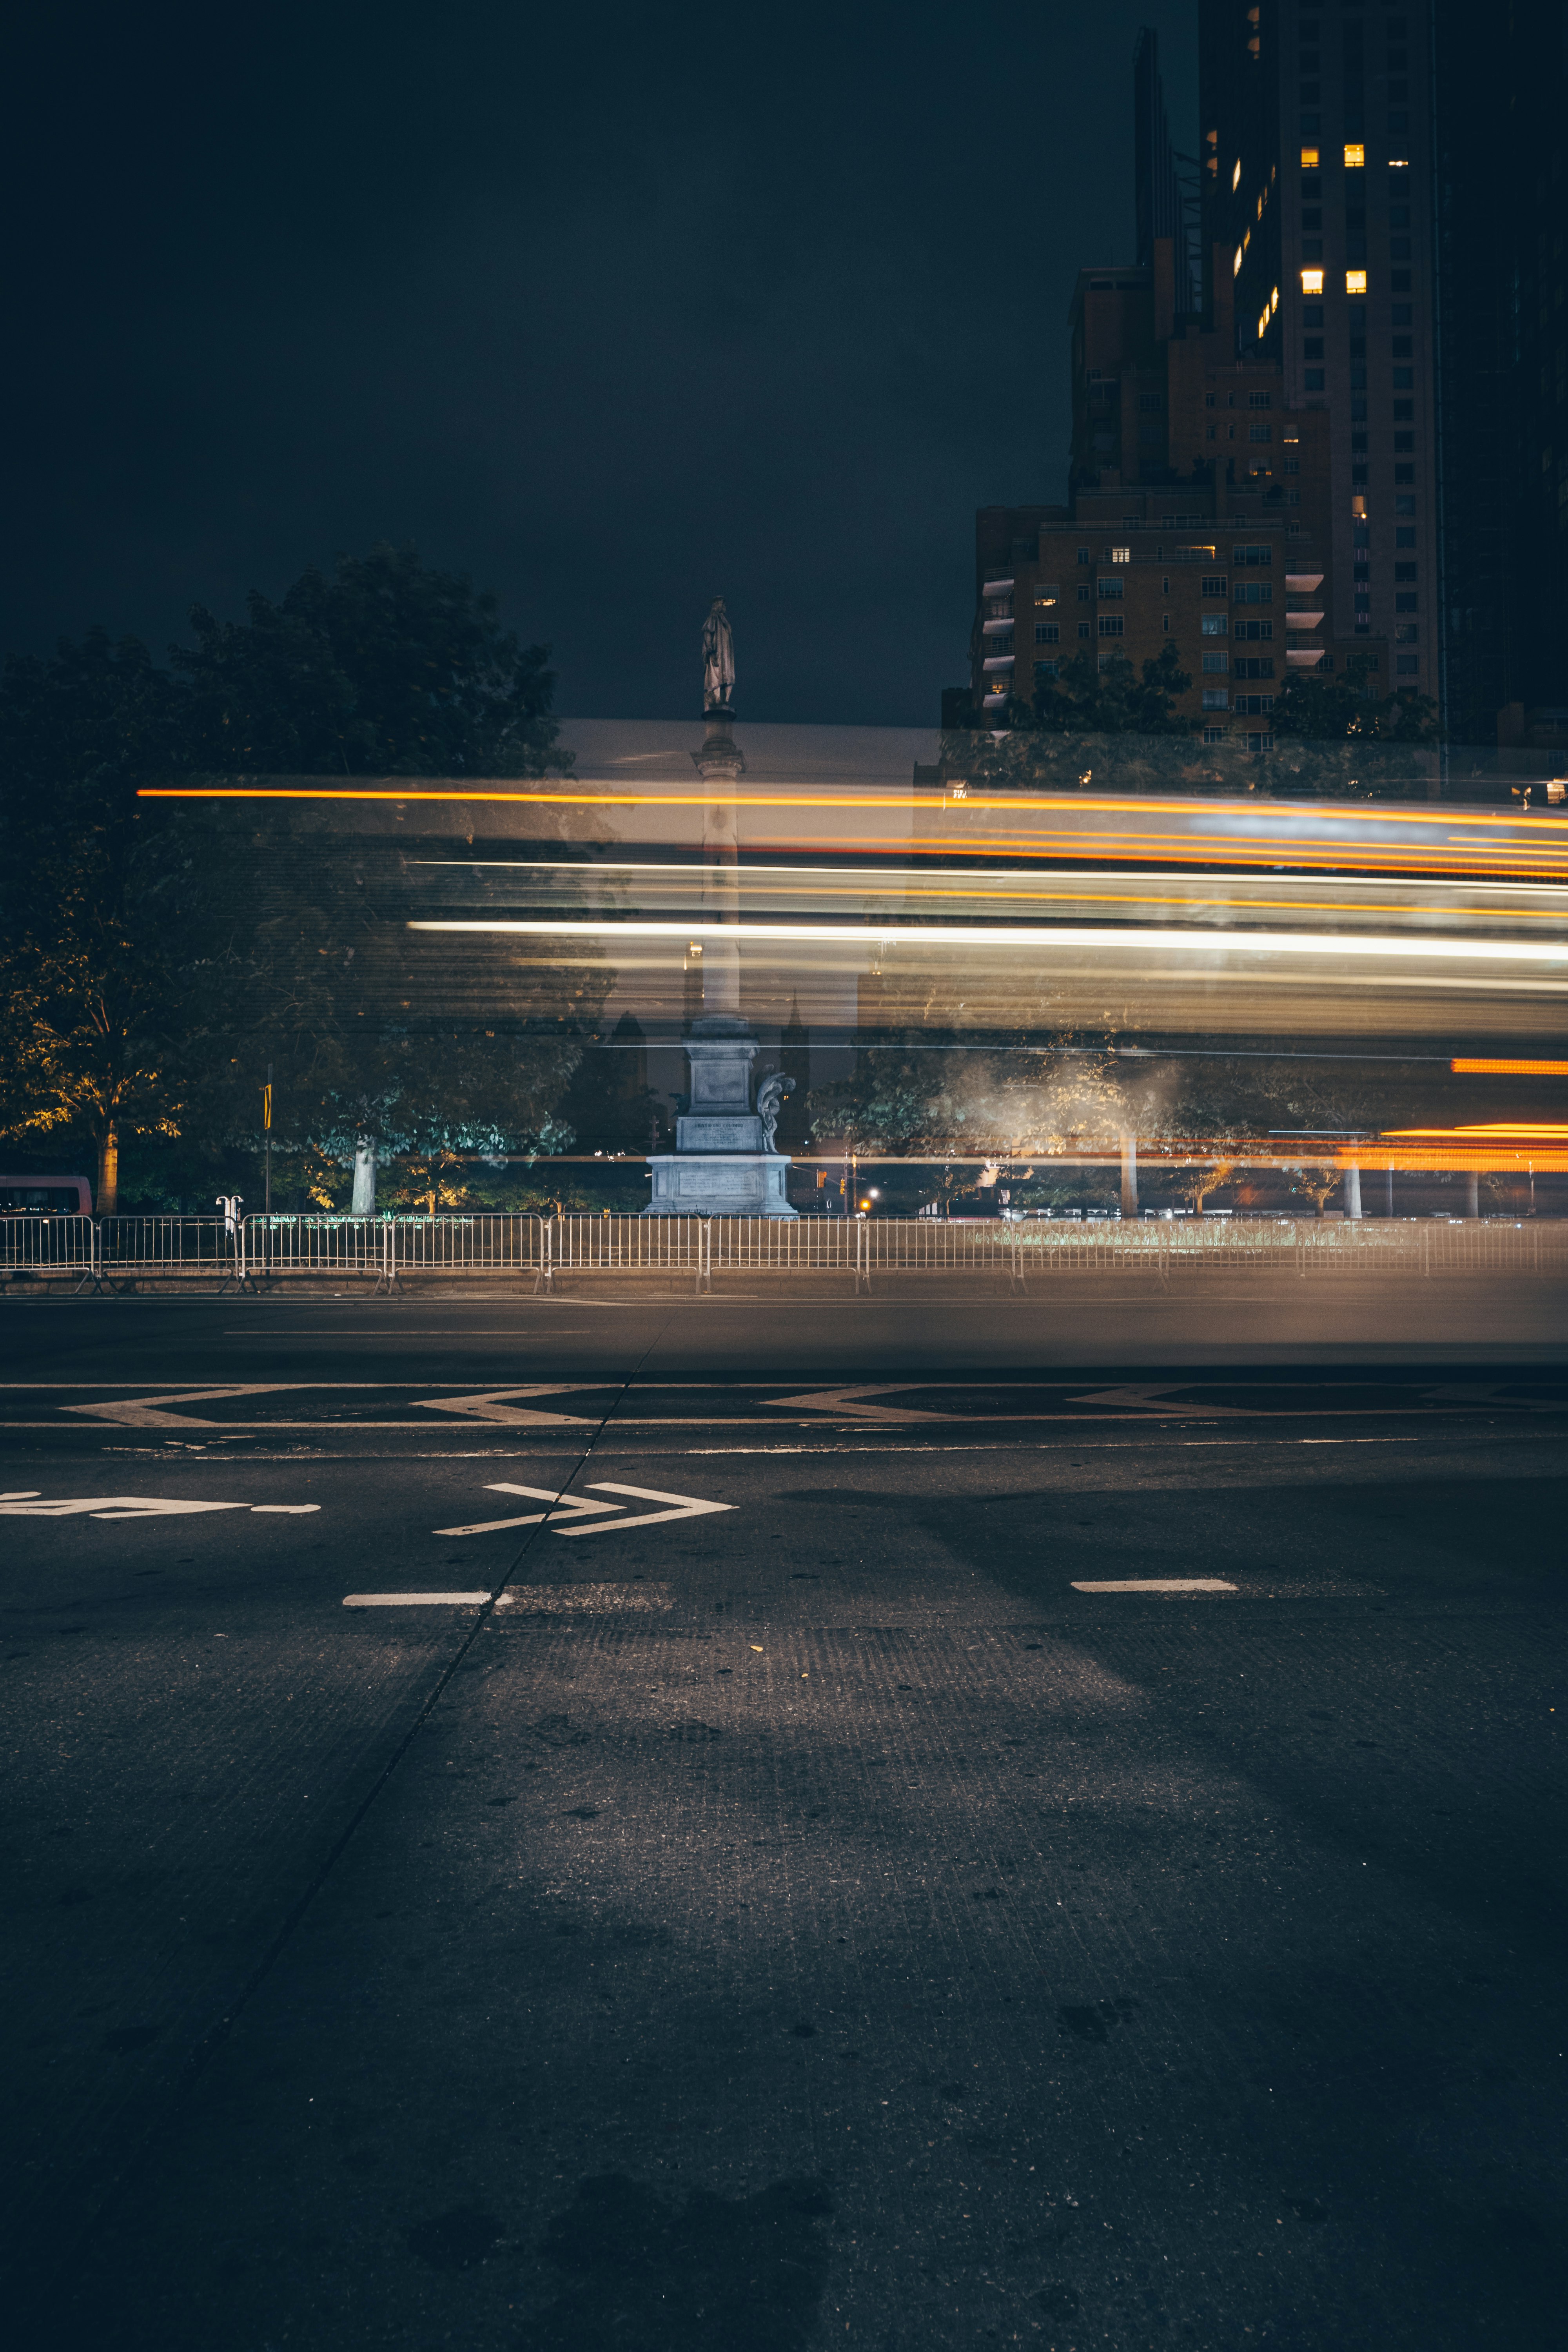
113 1254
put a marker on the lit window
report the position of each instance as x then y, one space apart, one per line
1356 281
1356 157
1399 162
1263 323
1236 176
1120 555
1235 265
1309 159
1274 302
1312 281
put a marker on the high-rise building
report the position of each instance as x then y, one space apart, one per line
1198 517
1316 156
1251 476
1159 205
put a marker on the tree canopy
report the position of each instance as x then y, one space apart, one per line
126 1010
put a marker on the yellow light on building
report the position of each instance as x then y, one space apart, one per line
1235 265
1263 323
1356 281
1399 162
1274 302
1236 176
1309 159
1355 156
1312 281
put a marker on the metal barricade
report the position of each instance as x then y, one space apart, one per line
39 1247
465 1244
162 1248
279 1247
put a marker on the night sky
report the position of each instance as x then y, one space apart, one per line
612 308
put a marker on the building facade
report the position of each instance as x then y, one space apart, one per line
1317 172
1199 516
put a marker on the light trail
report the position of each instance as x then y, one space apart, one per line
838 884
1065 935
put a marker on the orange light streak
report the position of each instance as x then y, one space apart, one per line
1508 1069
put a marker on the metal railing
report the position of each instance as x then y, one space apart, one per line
102 1254
33 1247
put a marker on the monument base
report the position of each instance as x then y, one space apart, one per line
714 1184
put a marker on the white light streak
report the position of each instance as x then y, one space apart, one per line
1207 942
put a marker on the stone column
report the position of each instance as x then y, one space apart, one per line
721 763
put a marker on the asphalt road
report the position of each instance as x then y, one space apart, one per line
786 1880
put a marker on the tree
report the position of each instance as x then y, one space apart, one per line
383 668
1087 700
132 1008
87 1043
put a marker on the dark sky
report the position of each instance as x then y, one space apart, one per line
612 308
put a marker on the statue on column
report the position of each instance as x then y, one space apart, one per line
718 658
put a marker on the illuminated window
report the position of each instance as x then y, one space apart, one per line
1312 281
1236 176
1120 555
1235 265
1309 159
1356 157
1263 323
1399 164
1356 281
1274 302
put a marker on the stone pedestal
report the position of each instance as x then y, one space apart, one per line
720 1166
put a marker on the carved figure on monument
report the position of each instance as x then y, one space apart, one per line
770 1102
718 658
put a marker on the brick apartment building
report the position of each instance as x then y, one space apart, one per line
1198 516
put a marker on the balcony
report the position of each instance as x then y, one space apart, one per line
1304 657
1001 664
998 628
1302 620
996 587
1303 584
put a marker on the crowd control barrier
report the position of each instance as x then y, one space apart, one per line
117 1253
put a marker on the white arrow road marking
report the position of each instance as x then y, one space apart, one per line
686 1507
128 1506
1460 1392
846 1402
1149 1396
1159 1584
577 1504
144 1412
490 1405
